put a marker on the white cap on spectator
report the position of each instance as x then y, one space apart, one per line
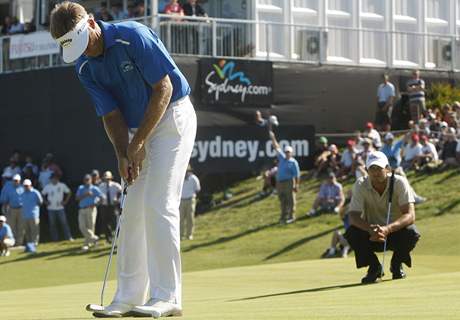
3 218
288 149
377 158
16 177
444 124
27 182
108 175
274 121
389 136
75 41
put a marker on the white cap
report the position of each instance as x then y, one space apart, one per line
108 175
27 182
377 158
444 124
17 177
288 149
3 218
75 42
274 121
389 136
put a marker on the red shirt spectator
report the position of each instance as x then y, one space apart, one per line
173 7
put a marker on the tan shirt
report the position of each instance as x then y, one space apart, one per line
373 206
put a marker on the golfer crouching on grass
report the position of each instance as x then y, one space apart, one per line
368 218
143 100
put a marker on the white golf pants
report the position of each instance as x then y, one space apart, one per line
148 261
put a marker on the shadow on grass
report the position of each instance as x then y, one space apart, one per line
454 173
341 286
301 242
448 207
230 238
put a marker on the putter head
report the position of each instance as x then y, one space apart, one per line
94 307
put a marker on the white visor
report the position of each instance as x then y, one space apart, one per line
75 41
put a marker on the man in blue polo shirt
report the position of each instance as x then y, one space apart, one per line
6 237
287 180
31 202
11 198
143 100
88 196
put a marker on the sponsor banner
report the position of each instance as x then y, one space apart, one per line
236 82
248 149
32 45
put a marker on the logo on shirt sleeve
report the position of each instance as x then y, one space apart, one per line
126 66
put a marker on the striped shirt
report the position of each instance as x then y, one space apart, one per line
416 95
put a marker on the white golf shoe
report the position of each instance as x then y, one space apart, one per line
156 308
114 310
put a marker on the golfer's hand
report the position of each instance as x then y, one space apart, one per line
375 235
123 169
136 155
383 231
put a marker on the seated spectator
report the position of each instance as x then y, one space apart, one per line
6 26
449 148
330 198
392 150
373 134
6 237
411 151
423 128
331 162
429 153
347 160
174 8
367 148
117 11
16 26
103 13
269 179
31 202
13 168
193 9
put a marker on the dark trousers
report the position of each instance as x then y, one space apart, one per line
108 220
401 242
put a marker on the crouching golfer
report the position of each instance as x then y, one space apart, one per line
368 211
143 99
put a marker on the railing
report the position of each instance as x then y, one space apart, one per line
248 39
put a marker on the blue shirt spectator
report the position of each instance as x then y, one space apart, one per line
6 232
330 191
12 193
93 195
287 168
392 150
128 87
31 202
385 91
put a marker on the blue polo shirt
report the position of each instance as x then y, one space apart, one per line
287 169
31 202
91 200
393 153
134 59
12 195
5 231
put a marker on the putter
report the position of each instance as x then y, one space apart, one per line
95 307
390 196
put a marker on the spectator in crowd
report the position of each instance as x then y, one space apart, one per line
57 196
330 162
88 197
103 13
259 119
140 9
373 134
423 127
131 10
47 169
174 8
330 198
429 153
392 150
269 179
367 148
6 183
337 237
411 151
95 178
449 148
456 109
385 98
287 180
12 199
193 9
109 204
30 164
28 174
416 92
117 11
31 202
30 26
187 206
13 168
6 26
6 237
16 26
347 160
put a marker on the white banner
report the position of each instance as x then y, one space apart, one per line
31 45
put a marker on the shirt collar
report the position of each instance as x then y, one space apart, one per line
108 32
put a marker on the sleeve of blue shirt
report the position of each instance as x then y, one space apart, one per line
322 191
150 55
97 192
39 198
79 191
296 169
3 195
103 100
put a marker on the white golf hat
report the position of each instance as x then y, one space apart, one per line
274 121
377 158
75 41
16 177
27 182
3 218
288 149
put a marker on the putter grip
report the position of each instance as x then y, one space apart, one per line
392 183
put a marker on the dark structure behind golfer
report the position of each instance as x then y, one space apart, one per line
368 210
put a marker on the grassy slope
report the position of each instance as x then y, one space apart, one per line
244 231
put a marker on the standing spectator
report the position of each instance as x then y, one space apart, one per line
13 200
193 9
330 198
287 180
30 164
411 151
188 203
31 202
416 92
103 13
117 11
392 150
6 237
13 168
88 197
6 25
95 177
57 197
48 168
373 134
385 99
174 8
16 26
99 226
347 160
107 209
